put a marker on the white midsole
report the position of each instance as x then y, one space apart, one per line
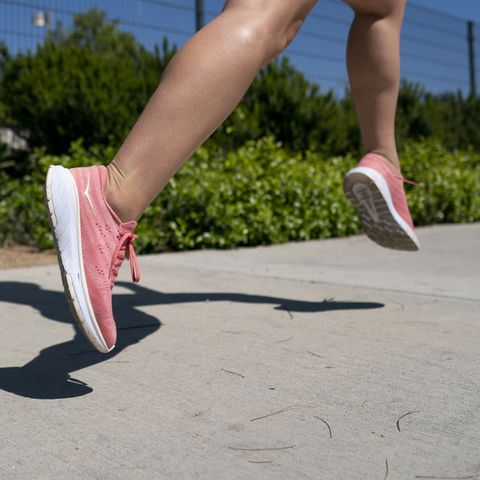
63 195
382 185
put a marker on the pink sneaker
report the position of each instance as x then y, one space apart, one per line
379 197
92 243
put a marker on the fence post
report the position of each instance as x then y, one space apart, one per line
199 14
471 58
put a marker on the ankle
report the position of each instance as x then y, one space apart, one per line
115 196
392 159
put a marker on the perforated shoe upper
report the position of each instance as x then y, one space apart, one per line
395 183
106 241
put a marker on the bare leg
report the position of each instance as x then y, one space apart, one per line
201 86
373 58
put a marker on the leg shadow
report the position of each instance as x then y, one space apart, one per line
145 296
48 375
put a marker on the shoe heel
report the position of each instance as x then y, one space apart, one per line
63 206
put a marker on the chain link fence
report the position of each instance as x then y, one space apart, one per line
439 51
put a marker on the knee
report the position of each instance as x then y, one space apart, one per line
382 9
262 36
263 29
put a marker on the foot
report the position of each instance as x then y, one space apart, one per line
377 193
92 243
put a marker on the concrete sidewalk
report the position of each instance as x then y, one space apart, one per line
322 360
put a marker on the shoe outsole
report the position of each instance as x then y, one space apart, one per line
380 221
69 290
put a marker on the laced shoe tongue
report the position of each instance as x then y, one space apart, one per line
124 249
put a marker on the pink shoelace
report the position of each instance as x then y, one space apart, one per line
126 241
404 180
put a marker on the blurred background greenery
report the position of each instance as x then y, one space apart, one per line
271 173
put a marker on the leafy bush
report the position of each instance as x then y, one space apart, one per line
449 183
23 218
258 194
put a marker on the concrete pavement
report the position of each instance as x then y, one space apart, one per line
333 359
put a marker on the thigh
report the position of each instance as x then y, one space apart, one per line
288 11
377 7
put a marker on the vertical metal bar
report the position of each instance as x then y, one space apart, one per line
471 58
199 14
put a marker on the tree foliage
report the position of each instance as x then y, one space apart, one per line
282 103
90 82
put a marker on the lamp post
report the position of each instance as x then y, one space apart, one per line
42 19
199 14
471 58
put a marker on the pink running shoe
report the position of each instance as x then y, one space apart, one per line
92 243
379 197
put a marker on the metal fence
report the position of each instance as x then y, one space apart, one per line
439 51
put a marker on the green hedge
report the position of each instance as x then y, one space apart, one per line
257 194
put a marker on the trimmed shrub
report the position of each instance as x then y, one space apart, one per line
258 194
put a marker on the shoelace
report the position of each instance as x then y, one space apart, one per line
410 182
404 180
125 240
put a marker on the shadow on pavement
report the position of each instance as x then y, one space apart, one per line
47 376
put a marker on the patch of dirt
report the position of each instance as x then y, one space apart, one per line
21 256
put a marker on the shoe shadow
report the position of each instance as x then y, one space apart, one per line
48 375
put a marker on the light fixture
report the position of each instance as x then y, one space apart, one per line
41 18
